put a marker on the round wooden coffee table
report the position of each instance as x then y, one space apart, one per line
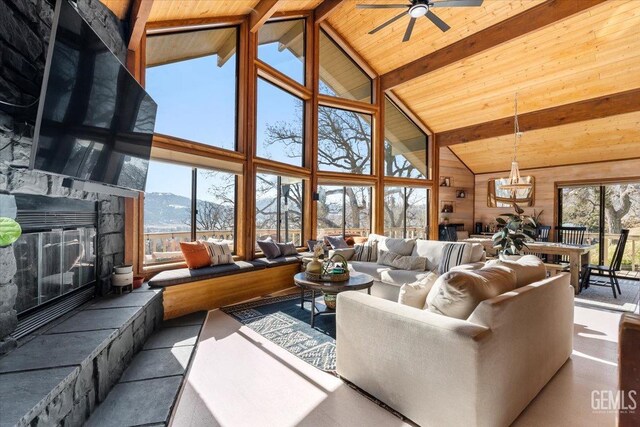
356 282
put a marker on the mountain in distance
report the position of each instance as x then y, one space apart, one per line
166 212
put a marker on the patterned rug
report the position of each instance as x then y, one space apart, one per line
602 297
283 322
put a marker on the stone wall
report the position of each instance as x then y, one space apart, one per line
25 27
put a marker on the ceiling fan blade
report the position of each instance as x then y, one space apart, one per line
407 34
439 22
381 6
390 21
458 3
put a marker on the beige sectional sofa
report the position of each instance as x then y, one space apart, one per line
444 371
388 280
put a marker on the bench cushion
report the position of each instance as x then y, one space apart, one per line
185 275
264 262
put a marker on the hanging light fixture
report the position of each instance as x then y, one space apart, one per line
515 182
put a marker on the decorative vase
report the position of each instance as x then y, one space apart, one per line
330 301
314 266
505 257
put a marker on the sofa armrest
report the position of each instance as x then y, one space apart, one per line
407 358
347 253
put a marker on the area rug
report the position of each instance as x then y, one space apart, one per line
283 322
602 296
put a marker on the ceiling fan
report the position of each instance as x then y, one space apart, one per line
417 9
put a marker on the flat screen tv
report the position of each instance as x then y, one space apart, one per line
95 122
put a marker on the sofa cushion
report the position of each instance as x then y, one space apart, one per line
399 246
458 293
453 255
371 268
366 251
528 269
400 277
415 294
287 249
402 262
185 275
337 242
431 250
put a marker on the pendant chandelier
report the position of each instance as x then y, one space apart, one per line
514 182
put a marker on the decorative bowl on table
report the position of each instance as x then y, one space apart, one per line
332 270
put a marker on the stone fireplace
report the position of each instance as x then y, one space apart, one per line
24 36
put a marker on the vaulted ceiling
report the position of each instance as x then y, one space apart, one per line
570 58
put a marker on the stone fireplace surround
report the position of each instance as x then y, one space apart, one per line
25 27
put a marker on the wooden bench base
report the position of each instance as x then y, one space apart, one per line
205 295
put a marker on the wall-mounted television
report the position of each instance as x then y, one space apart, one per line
95 122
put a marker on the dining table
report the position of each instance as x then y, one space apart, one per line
578 254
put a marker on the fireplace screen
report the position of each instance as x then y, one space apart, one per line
52 264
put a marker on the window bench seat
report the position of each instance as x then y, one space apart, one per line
188 291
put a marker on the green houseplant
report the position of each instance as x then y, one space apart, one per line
517 229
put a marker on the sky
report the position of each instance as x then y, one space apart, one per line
196 101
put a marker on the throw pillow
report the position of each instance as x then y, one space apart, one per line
454 254
287 249
399 246
219 253
336 242
402 262
458 293
360 239
195 254
367 252
269 248
528 269
415 294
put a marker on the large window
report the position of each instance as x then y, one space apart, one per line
281 45
344 141
192 76
279 202
339 75
406 211
169 208
280 125
405 145
344 211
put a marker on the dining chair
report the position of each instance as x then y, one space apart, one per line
569 236
609 270
542 235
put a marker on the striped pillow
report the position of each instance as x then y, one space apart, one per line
219 253
454 254
366 251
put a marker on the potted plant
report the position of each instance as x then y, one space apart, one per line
517 229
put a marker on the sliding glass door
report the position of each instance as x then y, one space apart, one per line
605 210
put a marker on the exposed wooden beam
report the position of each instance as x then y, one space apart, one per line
139 14
590 109
324 9
530 20
261 14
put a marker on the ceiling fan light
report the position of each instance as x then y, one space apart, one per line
418 10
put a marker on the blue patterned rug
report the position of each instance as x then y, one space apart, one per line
283 322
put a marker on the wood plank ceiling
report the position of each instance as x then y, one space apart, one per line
586 55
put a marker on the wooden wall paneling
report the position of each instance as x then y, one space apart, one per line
546 181
528 21
590 109
218 292
462 179
165 10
